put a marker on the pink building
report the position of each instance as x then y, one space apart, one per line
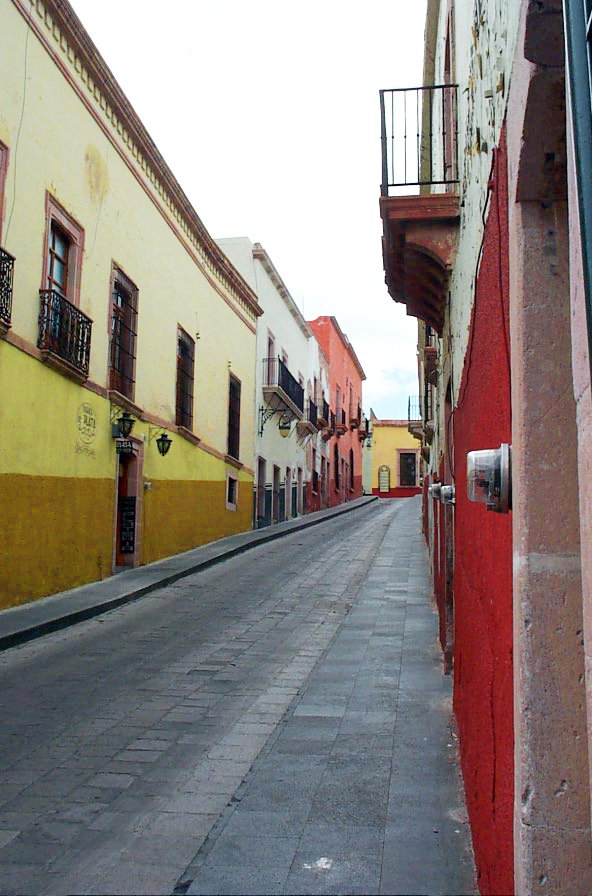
343 480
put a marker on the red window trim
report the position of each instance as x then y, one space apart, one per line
75 233
4 154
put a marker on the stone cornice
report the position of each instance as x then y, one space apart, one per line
60 30
261 255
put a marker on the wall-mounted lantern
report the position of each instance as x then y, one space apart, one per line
489 478
163 442
126 424
121 426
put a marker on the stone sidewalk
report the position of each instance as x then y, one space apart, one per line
359 791
32 620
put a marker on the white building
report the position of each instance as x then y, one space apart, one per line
288 380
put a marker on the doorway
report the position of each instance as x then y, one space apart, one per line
128 506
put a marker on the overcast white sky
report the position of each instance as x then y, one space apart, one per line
267 112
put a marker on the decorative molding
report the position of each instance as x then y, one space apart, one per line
63 35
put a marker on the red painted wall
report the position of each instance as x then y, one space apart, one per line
483 688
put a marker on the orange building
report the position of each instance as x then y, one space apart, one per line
344 469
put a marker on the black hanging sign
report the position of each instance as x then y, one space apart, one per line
124 446
127 524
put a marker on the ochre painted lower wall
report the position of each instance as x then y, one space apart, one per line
483 675
178 516
57 534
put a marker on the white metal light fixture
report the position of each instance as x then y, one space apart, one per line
447 494
434 491
489 478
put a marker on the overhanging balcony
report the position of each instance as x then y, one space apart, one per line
323 414
414 421
64 335
281 390
341 422
419 196
308 425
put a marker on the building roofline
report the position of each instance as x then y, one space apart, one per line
260 254
346 343
96 76
377 422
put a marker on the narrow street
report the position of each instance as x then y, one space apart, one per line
278 723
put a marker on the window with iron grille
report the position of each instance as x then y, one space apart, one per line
336 465
234 398
185 374
124 314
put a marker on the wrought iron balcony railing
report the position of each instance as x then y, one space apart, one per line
419 135
312 413
413 409
277 375
64 331
6 275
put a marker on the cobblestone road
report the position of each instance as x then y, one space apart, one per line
127 739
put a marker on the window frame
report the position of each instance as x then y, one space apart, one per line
184 410
400 454
231 481
4 159
124 383
74 233
232 426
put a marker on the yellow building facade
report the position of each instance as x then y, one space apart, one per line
395 459
113 298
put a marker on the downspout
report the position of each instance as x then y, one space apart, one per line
574 17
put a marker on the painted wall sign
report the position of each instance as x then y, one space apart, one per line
127 524
86 423
384 478
124 446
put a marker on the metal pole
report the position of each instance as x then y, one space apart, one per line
384 185
574 16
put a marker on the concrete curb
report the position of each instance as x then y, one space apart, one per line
48 614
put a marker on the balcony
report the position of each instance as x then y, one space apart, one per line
414 420
430 364
341 423
308 426
6 275
330 430
64 335
419 196
323 414
355 417
281 390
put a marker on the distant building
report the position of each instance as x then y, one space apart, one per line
344 468
290 382
117 310
394 460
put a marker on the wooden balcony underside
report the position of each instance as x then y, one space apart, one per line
419 248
